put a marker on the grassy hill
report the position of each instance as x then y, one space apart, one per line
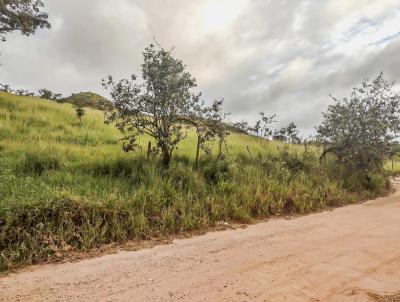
66 186
88 99
31 124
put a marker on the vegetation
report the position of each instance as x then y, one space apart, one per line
48 94
80 112
67 187
160 104
288 134
262 128
362 130
21 15
88 99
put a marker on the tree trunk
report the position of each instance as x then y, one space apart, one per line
305 148
148 150
305 151
166 158
219 150
196 165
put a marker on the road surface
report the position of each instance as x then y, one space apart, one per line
339 255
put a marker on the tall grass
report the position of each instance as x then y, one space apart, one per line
66 186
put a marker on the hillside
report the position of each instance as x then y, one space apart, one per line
27 121
67 186
88 99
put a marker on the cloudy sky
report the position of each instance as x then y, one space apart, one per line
284 57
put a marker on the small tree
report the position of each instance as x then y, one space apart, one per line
208 122
288 134
45 94
49 95
361 130
21 92
156 104
242 127
80 112
262 128
5 88
292 134
280 134
21 15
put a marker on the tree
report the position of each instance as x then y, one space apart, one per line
80 112
156 104
48 94
208 122
5 88
45 93
280 134
262 127
288 134
242 127
21 15
292 134
361 130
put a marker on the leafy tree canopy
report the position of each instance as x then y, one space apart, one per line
157 104
21 15
288 134
361 130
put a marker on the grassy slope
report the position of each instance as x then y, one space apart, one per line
88 99
34 125
69 186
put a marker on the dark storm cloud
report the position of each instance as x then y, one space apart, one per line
282 57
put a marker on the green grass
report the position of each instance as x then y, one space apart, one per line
68 186
40 125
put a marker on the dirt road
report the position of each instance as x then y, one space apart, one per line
338 255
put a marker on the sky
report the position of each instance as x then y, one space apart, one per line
281 57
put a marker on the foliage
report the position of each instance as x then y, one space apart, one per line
5 88
262 127
361 130
80 112
20 92
65 188
208 123
48 94
21 15
288 134
88 99
157 105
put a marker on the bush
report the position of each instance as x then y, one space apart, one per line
376 184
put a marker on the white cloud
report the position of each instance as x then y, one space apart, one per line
217 15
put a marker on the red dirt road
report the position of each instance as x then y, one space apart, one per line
338 255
